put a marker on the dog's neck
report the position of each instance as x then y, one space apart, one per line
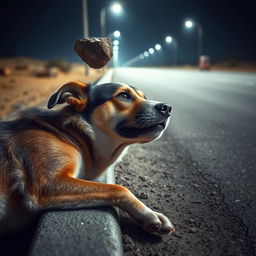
102 150
106 151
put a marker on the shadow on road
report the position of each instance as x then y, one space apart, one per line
19 243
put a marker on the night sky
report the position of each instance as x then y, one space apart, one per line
48 29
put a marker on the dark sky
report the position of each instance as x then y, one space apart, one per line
47 29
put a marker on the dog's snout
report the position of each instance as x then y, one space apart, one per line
165 109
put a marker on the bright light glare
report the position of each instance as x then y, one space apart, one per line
168 39
158 47
115 47
141 56
146 54
115 42
151 51
117 33
116 8
189 24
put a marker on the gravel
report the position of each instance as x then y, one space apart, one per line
169 181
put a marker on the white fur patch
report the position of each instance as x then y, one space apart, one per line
79 167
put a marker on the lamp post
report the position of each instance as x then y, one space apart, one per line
189 24
158 48
85 19
115 55
174 42
85 27
115 8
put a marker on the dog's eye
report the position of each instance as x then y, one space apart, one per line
124 96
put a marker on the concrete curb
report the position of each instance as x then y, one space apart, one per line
92 231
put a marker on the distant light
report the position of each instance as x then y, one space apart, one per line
168 39
115 48
115 42
189 24
116 8
117 33
158 47
151 51
141 56
146 54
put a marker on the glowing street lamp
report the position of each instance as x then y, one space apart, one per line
115 48
173 41
141 56
168 39
117 33
115 42
115 8
151 50
146 54
158 47
189 24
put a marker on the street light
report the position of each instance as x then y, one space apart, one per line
158 47
151 50
85 27
189 24
117 33
168 39
115 8
174 42
115 54
146 54
115 48
115 42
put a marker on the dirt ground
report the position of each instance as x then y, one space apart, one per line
165 178
22 89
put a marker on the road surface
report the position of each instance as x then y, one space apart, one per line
214 120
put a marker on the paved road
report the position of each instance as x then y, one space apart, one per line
214 119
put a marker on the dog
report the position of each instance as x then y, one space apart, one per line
49 158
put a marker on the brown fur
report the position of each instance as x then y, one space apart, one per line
48 159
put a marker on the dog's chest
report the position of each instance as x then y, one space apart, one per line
80 167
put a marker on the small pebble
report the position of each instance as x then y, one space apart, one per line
192 230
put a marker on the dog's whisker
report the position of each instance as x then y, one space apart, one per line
135 121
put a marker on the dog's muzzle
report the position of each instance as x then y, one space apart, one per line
151 120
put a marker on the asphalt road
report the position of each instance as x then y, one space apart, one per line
214 119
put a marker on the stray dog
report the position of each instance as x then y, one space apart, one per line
48 158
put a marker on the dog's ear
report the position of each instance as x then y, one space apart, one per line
74 93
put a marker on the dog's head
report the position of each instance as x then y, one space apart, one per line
118 110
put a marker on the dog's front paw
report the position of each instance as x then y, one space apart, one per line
156 223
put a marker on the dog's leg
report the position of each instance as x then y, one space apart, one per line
67 193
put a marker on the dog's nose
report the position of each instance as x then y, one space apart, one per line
165 109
